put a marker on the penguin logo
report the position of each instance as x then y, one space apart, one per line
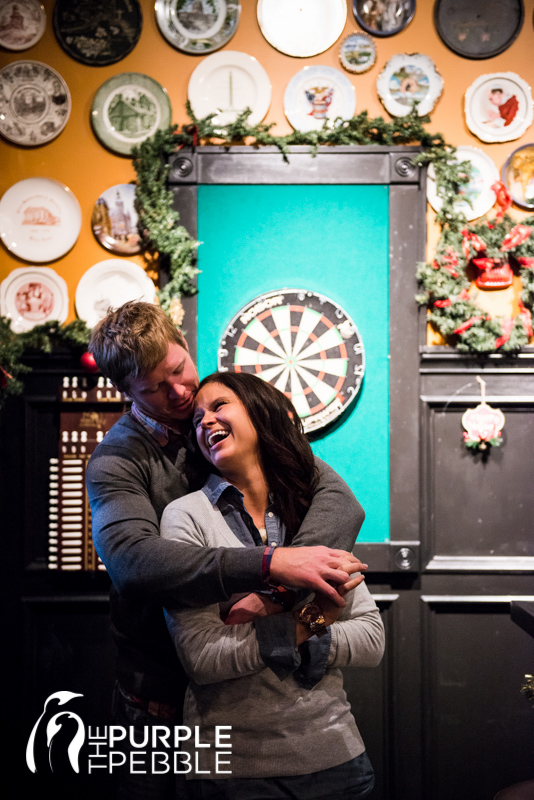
53 726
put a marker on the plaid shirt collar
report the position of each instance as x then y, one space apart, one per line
160 432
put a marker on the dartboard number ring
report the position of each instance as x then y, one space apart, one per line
304 344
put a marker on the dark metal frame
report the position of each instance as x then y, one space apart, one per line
391 166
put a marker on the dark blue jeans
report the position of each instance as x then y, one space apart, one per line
132 786
353 780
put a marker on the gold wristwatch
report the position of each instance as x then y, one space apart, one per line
312 617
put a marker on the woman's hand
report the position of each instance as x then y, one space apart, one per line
250 607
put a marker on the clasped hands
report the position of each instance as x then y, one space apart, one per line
320 569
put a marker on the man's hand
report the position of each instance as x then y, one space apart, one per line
250 607
312 567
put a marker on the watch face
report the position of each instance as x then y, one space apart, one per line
304 344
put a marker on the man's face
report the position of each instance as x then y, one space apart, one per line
496 98
166 393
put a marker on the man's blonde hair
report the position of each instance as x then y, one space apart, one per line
132 341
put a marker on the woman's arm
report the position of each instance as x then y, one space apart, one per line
211 651
358 636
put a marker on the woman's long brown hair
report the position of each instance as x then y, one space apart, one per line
286 456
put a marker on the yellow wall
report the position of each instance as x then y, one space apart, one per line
77 159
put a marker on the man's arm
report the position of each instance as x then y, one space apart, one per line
142 564
334 517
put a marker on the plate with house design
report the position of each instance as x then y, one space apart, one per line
34 103
318 93
305 345
127 109
408 79
198 26
30 296
114 220
22 23
40 219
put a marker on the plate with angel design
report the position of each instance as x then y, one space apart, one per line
498 107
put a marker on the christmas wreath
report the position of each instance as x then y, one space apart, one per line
484 255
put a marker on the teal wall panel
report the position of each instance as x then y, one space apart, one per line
328 239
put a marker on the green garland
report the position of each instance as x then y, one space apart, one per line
43 338
165 239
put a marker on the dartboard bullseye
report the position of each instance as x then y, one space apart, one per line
304 344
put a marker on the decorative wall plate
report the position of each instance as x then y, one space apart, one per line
478 29
97 32
317 93
22 23
40 219
302 29
229 82
127 109
498 107
384 18
109 284
407 79
114 220
357 52
518 176
33 295
304 344
198 28
34 103
478 191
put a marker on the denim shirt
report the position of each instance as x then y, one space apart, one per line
276 633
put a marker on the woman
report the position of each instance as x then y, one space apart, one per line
292 733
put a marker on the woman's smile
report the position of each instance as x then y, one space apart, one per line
224 432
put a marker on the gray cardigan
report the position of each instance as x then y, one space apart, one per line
278 727
130 480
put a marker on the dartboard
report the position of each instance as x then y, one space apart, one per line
304 344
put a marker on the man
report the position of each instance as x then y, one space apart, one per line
134 473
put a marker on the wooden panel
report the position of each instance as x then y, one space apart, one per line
475 505
478 728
